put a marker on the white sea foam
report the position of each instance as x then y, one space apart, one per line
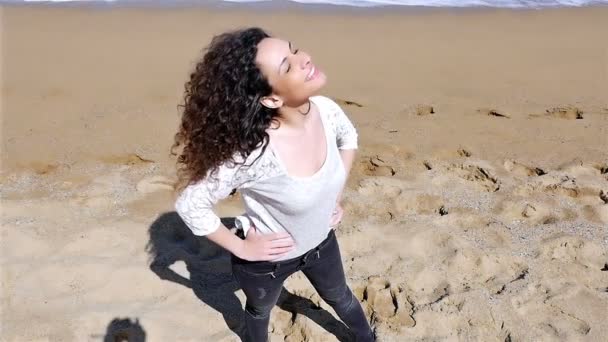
375 3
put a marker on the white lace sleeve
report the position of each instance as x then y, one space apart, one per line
195 203
346 133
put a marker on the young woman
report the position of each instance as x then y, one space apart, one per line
252 121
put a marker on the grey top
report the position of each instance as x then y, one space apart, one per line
275 201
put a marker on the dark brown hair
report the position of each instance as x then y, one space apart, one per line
222 116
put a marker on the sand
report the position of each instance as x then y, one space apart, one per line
476 209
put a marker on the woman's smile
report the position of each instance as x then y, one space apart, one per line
313 73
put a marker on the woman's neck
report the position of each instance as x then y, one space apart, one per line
295 117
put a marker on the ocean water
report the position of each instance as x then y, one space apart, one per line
377 3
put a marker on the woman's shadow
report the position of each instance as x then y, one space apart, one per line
211 277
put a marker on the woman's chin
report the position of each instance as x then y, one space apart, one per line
319 83
321 78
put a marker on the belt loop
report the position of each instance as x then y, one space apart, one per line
276 268
304 259
318 253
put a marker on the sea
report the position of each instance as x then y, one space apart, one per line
537 4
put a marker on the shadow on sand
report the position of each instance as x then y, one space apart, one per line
211 276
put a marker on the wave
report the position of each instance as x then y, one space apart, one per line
377 3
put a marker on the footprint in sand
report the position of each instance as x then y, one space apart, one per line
386 304
562 185
419 110
603 168
382 160
547 321
126 159
574 249
468 219
538 213
429 165
535 213
578 184
568 112
424 110
99 192
385 197
347 102
377 166
381 187
464 153
583 181
522 170
566 186
374 197
604 196
493 112
443 264
43 168
422 204
578 168
566 296
154 183
596 213
481 176
448 154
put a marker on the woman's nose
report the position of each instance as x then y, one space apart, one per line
304 61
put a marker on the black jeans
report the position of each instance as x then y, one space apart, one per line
262 281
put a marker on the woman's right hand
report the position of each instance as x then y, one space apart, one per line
265 247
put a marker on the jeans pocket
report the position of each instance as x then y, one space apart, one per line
331 238
255 270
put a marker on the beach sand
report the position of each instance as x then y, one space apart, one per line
476 209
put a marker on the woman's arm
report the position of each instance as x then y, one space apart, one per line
256 246
348 157
195 206
223 237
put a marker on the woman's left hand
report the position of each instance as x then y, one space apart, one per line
336 217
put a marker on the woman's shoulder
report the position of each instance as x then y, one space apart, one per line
328 109
325 102
258 165
239 172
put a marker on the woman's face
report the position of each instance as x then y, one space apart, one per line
290 72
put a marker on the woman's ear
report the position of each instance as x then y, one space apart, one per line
272 102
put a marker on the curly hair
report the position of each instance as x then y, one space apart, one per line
222 115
